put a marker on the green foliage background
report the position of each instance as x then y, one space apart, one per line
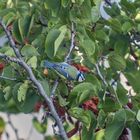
42 30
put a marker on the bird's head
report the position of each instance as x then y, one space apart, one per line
80 77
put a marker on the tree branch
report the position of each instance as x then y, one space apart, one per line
54 88
35 82
11 59
100 74
72 42
7 78
12 126
11 41
108 2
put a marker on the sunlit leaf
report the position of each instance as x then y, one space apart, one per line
22 91
32 62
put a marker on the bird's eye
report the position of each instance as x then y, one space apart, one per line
62 67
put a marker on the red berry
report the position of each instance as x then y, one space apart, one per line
37 106
130 105
81 68
91 105
1 66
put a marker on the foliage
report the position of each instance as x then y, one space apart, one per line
109 48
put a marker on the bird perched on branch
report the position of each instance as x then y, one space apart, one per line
65 70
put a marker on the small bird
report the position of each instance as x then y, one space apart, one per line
65 70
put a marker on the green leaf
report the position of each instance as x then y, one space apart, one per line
109 105
82 92
65 3
84 96
82 13
10 52
15 91
62 101
7 91
28 51
32 62
128 6
9 72
126 27
112 11
130 116
49 43
95 12
138 115
22 91
79 2
40 127
82 115
88 133
54 5
2 125
9 18
116 62
99 135
115 24
94 80
88 46
22 7
2 99
138 27
52 138
121 46
25 24
135 131
45 85
28 104
60 38
122 94
63 89
16 32
115 127
101 119
83 87
101 35
132 77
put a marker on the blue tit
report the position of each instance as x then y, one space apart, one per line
65 70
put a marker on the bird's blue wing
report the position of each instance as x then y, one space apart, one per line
49 65
62 68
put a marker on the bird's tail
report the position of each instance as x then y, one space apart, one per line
48 64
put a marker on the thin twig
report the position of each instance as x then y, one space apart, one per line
102 78
7 78
66 58
40 88
100 74
108 2
11 59
54 88
11 41
7 135
12 126
72 42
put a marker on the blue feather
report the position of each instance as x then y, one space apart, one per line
48 64
63 69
